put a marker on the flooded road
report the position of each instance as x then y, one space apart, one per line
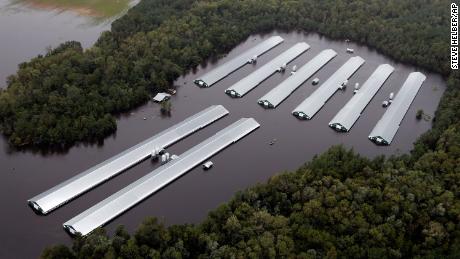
252 160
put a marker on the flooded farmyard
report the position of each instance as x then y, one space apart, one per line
282 143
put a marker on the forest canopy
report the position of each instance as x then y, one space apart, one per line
340 204
71 95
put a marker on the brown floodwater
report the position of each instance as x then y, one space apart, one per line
252 160
27 30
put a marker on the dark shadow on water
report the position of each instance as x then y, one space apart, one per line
250 161
46 151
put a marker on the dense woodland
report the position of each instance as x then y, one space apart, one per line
71 95
338 205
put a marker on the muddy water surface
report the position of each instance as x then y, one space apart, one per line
250 161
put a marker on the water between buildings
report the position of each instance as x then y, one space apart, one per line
250 161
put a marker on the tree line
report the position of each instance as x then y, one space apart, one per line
71 95
337 205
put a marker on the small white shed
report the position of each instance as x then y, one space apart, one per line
161 97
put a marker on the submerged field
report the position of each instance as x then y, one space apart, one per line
96 8
250 161
337 205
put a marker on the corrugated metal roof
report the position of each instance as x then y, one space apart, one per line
227 68
386 128
251 81
310 106
129 196
288 86
349 114
62 193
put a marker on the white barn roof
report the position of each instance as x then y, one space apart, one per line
288 86
248 83
139 190
351 112
386 128
310 106
215 75
67 190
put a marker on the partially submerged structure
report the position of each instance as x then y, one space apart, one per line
160 97
139 190
350 113
386 128
315 81
75 186
310 106
208 165
288 86
249 56
276 65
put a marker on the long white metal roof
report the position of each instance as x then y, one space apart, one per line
139 190
350 113
71 188
215 75
310 106
386 128
254 79
288 86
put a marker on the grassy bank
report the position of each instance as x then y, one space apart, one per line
93 8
